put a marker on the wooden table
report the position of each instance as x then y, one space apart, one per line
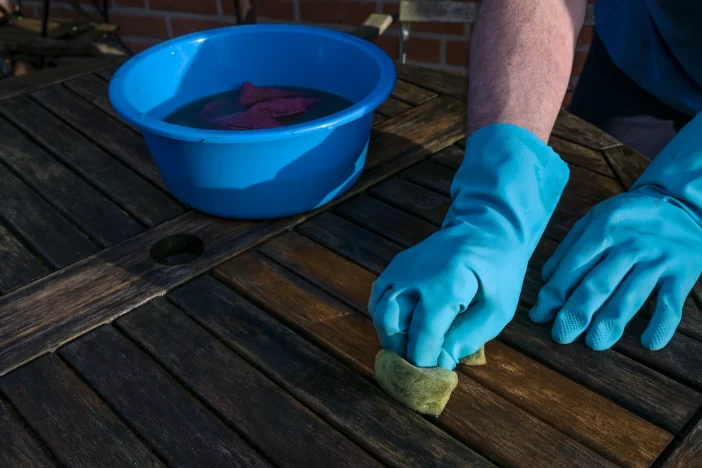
248 343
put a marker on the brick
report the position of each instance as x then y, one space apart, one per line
270 9
130 24
424 49
180 26
338 12
130 3
205 7
137 45
585 35
578 63
390 44
457 53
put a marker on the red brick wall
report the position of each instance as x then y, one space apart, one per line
146 22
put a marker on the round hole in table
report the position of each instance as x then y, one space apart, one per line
177 249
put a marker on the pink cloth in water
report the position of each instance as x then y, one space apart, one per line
250 94
285 107
263 114
210 110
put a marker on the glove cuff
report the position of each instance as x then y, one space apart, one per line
511 181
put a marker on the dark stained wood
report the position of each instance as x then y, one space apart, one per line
569 407
438 11
107 73
480 418
19 448
575 129
103 130
424 203
431 176
78 201
659 399
439 82
392 107
389 222
19 266
261 411
135 195
178 427
351 241
377 119
582 156
689 452
628 164
94 90
451 157
412 94
39 224
34 319
70 419
395 436
22 84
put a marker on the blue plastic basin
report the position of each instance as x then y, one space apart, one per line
255 174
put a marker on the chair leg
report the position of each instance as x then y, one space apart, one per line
404 37
245 11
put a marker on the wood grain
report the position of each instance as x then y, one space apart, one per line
48 312
94 90
72 421
689 453
392 107
19 266
40 225
433 80
18 447
476 416
582 156
628 164
134 194
451 157
412 94
377 119
657 398
567 406
575 129
23 84
103 130
354 405
425 204
77 200
438 11
178 427
262 412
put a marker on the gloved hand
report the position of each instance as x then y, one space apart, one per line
442 299
647 240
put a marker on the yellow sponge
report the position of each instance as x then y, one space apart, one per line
422 389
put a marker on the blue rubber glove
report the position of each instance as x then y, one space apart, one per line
442 299
646 240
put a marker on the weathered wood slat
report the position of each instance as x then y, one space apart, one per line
480 418
178 427
392 107
36 318
19 448
569 407
582 156
103 130
662 402
19 266
266 415
451 157
358 408
71 420
378 119
439 11
575 129
433 80
94 90
78 201
134 194
628 164
659 399
23 84
689 452
39 224
107 73
425 204
412 94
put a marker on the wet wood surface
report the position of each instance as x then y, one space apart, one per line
259 351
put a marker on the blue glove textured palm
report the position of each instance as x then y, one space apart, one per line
643 241
442 299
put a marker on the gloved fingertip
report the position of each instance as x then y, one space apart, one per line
541 313
446 361
657 338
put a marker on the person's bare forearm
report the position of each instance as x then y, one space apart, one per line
520 62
